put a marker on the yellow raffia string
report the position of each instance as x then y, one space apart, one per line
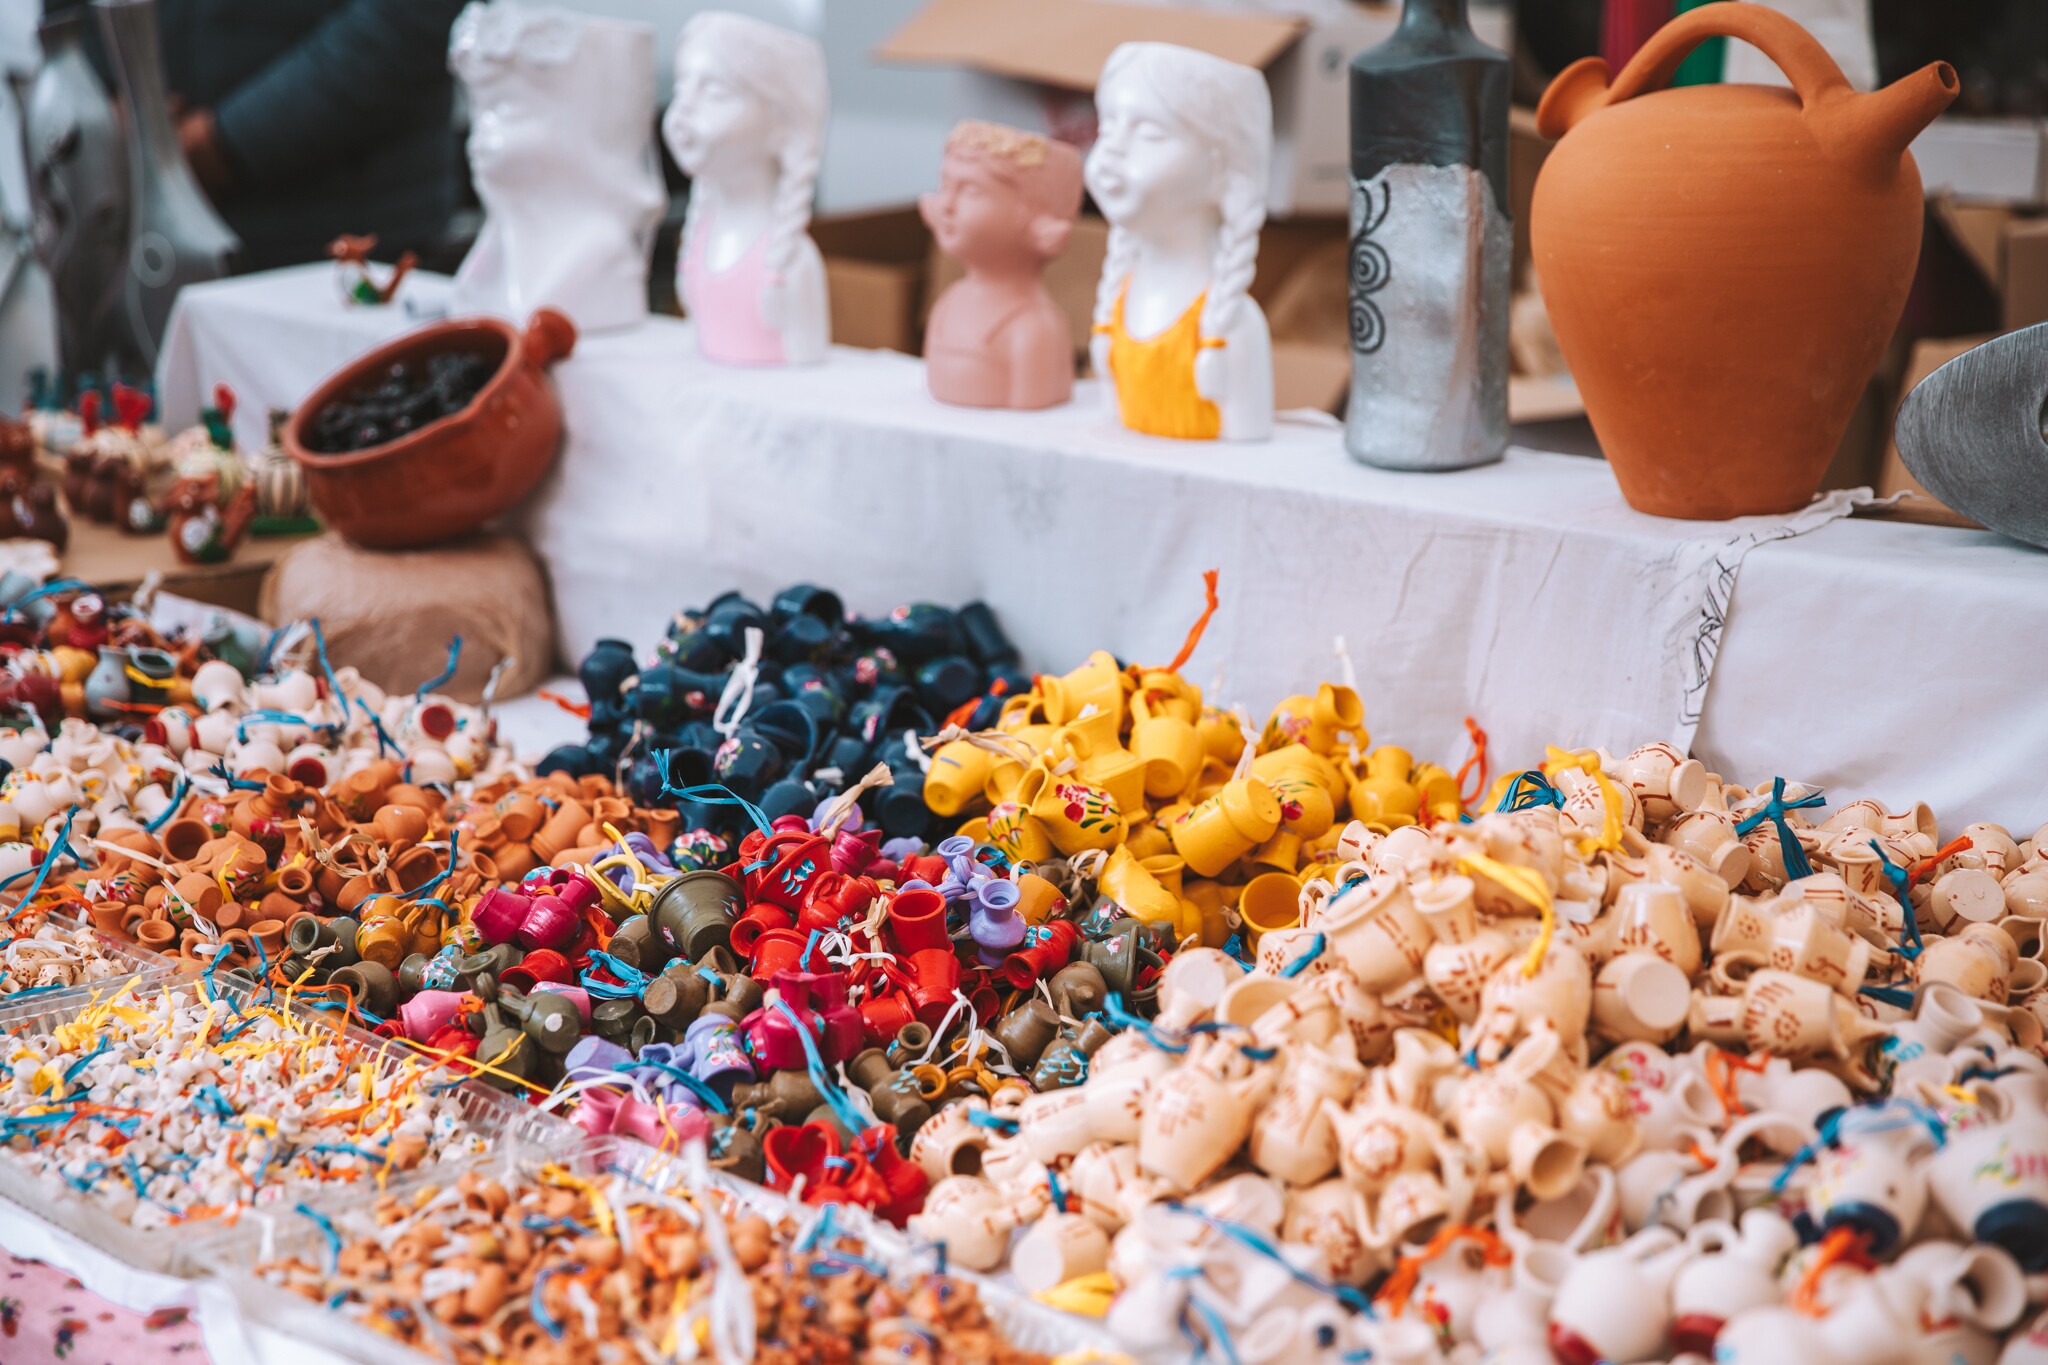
1530 886
1588 763
1957 1092
1088 1295
600 1207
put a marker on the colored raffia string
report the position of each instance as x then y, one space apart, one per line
1843 1246
1210 603
1612 823
1526 883
1910 943
1961 843
1775 810
1527 790
1475 764
1400 1285
1721 1066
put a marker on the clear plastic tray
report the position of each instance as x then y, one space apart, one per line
146 968
269 1235
497 1120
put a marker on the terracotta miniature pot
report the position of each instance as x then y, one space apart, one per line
183 838
1724 264
454 474
157 935
109 916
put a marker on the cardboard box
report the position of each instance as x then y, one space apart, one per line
1997 159
1893 477
875 277
1034 66
2024 262
1527 149
2008 248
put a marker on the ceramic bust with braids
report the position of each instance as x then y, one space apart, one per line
1179 169
747 124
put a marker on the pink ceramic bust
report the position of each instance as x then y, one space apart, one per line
1005 206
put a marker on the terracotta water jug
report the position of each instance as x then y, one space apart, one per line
1723 264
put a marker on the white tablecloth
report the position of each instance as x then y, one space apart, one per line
1888 660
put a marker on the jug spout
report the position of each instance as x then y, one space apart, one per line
1879 126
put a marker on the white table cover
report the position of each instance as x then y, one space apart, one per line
1882 659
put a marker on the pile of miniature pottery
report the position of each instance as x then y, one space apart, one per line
1258 1042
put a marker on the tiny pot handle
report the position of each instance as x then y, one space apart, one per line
549 336
1582 88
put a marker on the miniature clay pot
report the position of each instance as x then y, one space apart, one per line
454 474
1723 264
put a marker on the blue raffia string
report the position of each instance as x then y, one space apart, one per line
703 1092
1903 999
1219 1335
1300 964
803 963
842 1108
220 770
819 1230
709 793
1866 1118
1059 1193
537 1308
1254 1240
1114 1013
383 739
440 680
178 790
55 585
249 718
1775 810
1529 790
327 669
443 875
631 980
326 1226
59 846
1910 944
982 1118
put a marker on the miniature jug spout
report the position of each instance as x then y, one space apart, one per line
1881 125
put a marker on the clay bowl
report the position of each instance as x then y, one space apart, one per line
453 474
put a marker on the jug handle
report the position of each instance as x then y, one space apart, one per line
549 336
1582 88
1875 128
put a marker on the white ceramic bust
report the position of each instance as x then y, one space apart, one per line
1179 169
747 123
560 111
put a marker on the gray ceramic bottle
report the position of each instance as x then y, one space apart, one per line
1432 245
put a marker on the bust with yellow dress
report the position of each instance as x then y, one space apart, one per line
1179 168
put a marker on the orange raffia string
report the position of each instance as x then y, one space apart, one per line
1401 1284
1941 855
1187 646
579 709
1721 1066
1843 1246
964 712
1478 762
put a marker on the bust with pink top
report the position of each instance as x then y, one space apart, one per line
747 123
